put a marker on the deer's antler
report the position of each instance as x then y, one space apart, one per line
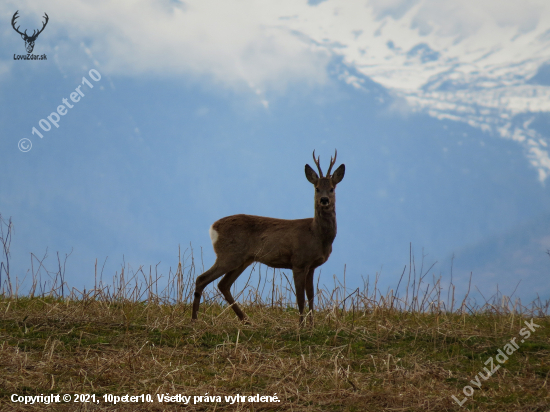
15 16
43 26
332 162
317 163
34 33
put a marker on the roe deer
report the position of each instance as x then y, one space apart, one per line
301 245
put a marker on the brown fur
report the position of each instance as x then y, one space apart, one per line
301 245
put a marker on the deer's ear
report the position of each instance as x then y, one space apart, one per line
338 174
311 175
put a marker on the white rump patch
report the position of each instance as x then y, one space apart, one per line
213 235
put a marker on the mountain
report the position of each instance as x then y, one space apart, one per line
510 259
486 68
440 115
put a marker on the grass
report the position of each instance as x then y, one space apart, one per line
372 360
365 352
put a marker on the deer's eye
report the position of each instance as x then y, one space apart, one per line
331 190
317 190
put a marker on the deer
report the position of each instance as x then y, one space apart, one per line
29 40
301 245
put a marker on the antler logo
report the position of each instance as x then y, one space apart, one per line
29 40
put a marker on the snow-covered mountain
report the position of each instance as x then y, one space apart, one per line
208 108
478 62
467 61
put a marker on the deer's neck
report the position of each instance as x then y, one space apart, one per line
324 224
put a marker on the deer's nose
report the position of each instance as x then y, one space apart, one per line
325 201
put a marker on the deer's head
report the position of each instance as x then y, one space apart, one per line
325 195
29 40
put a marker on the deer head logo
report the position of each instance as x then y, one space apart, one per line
29 40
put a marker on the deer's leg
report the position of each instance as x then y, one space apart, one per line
310 293
299 283
225 288
202 281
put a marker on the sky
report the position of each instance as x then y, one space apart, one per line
186 112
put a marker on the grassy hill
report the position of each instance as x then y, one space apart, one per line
365 352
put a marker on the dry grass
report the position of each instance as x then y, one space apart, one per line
366 352
363 360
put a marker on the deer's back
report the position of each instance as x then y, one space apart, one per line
278 243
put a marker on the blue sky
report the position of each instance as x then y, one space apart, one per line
206 109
